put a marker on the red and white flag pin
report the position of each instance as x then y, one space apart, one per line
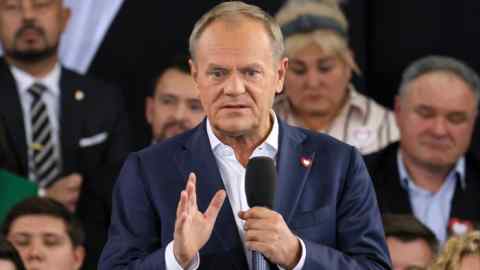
306 162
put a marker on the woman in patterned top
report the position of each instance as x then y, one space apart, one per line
318 94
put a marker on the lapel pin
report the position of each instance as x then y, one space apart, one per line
306 161
79 95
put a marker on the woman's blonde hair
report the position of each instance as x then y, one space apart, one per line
455 249
332 42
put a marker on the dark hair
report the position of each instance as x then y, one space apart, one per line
178 62
48 207
9 253
407 228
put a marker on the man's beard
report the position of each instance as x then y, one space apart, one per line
163 134
31 55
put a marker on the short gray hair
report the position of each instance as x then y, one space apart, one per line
435 63
235 9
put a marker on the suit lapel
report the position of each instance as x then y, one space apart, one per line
200 159
11 109
394 195
293 170
463 201
71 117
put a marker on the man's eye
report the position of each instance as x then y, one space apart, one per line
424 113
166 100
217 73
252 73
11 4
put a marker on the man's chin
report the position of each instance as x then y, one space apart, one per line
32 56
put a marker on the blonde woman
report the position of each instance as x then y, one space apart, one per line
460 253
318 94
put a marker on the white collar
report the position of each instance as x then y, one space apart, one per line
25 80
271 140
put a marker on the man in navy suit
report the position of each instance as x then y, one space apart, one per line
169 207
66 132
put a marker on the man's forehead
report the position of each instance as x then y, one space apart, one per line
249 38
38 223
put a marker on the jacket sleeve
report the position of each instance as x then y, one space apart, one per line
134 234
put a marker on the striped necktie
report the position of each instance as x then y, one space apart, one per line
259 262
45 161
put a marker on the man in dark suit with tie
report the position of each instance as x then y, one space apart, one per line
69 132
429 173
181 204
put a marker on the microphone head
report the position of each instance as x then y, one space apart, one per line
260 179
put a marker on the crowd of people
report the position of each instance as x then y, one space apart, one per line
359 186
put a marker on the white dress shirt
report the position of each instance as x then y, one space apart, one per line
233 176
51 97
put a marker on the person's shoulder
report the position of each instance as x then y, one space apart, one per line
380 159
317 141
166 148
88 83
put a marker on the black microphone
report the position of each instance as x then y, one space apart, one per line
260 179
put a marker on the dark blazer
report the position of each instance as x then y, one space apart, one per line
331 204
392 198
8 160
100 111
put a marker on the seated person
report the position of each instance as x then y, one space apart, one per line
460 253
318 94
9 257
428 173
410 243
69 132
46 234
174 105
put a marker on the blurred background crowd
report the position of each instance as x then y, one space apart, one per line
84 83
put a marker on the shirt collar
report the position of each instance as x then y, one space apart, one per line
271 141
357 101
24 80
405 179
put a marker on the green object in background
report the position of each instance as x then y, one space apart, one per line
14 189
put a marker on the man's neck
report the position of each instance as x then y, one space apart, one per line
427 177
37 69
244 145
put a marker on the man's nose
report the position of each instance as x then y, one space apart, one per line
235 85
439 126
35 251
180 111
27 10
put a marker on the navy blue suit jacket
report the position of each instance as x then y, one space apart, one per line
330 205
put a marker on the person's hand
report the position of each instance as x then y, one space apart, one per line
66 190
267 233
193 228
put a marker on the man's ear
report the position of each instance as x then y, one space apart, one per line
397 107
193 70
66 14
281 72
149 109
78 256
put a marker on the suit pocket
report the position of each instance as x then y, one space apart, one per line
310 218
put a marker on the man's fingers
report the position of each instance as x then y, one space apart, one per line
193 193
215 205
264 236
181 203
258 224
257 212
